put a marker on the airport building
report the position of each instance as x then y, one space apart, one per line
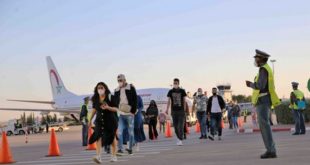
225 91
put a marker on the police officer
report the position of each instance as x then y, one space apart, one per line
297 104
264 96
84 121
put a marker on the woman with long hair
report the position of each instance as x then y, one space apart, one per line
152 114
106 122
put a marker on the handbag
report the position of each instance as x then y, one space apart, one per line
125 108
301 104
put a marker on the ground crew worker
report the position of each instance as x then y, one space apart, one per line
298 104
84 121
309 85
245 115
264 96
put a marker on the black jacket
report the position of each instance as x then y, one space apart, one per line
131 96
221 102
152 111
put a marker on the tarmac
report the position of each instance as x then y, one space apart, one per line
234 149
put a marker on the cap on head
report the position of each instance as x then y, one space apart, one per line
121 77
261 54
295 84
86 99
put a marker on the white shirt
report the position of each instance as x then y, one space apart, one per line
215 105
123 97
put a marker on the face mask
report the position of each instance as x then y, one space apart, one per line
101 92
199 93
214 94
175 86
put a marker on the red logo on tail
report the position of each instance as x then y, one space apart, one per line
52 72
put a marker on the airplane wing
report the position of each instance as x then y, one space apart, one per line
41 110
33 101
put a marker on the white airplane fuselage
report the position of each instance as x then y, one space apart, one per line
68 103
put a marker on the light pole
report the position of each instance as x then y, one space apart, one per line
273 61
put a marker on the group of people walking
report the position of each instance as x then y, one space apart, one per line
119 116
118 119
114 114
205 109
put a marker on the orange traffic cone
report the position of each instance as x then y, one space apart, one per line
222 124
197 127
240 123
54 148
5 153
168 130
90 146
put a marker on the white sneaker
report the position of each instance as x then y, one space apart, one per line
97 159
137 147
113 159
180 143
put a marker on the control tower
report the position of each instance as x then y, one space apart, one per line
225 91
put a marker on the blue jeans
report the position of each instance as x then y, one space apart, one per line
263 115
125 121
299 121
235 121
84 134
216 120
202 119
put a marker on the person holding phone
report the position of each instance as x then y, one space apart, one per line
106 122
152 114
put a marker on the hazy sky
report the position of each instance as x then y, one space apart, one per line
203 42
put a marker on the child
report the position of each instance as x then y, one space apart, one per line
162 120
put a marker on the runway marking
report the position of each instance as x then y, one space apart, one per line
88 162
85 157
69 160
71 156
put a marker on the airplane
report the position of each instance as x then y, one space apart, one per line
69 104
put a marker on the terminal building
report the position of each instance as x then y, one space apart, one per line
225 91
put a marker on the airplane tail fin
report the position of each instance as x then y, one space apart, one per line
58 88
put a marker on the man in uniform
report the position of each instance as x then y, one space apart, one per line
297 104
84 121
263 97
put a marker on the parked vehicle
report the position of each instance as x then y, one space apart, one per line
35 128
14 127
58 127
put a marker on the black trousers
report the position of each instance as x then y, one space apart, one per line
152 129
178 124
216 119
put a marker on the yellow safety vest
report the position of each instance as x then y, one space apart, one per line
299 95
275 101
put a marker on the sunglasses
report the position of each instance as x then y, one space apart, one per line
120 80
100 88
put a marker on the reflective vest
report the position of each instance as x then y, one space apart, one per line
275 101
299 96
